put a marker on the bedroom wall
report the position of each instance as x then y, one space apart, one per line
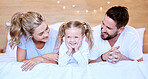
91 11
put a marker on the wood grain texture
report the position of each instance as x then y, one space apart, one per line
53 12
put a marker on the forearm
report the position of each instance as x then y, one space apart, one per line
81 58
44 60
125 58
63 59
95 61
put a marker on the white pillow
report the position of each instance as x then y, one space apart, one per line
10 52
56 26
141 34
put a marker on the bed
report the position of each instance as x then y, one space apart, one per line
10 69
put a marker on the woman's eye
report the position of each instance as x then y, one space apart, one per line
40 34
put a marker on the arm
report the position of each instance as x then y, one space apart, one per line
82 55
21 54
112 56
64 55
30 63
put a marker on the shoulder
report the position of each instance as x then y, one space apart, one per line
85 44
23 38
53 33
130 31
96 30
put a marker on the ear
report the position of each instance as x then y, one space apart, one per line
121 29
28 35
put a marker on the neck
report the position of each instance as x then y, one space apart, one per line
39 44
113 40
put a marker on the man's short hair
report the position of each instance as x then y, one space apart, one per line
119 14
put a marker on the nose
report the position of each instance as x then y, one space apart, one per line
46 33
103 28
72 40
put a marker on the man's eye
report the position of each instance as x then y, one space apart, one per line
47 28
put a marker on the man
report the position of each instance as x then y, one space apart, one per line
115 41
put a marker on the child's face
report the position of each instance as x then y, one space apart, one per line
73 36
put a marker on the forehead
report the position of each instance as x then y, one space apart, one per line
109 22
73 31
40 28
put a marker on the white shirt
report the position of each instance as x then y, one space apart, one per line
128 41
32 51
79 58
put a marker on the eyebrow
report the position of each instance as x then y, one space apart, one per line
106 26
44 30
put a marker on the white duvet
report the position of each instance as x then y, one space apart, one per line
102 70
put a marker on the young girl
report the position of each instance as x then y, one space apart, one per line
34 39
73 48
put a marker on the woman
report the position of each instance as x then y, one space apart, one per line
36 42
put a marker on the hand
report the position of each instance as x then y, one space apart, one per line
78 45
113 55
51 56
30 63
69 48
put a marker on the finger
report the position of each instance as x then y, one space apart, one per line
31 67
109 60
25 63
26 67
117 47
110 57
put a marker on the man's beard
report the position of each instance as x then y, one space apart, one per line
109 36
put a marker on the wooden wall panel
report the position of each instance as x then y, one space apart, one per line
54 12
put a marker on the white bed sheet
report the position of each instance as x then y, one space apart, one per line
10 69
102 70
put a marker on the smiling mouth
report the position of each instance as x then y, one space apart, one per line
73 43
46 37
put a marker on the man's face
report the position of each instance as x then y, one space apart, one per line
108 28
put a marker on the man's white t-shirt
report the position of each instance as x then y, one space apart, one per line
128 41
32 51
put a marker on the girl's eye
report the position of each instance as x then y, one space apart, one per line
68 36
76 36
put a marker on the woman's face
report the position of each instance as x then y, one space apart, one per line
73 36
41 33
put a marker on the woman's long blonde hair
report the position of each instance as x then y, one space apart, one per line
86 30
23 23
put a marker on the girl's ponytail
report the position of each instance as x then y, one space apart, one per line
60 35
88 34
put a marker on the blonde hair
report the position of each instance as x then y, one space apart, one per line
86 30
22 23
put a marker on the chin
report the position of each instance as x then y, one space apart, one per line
73 46
103 37
45 40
